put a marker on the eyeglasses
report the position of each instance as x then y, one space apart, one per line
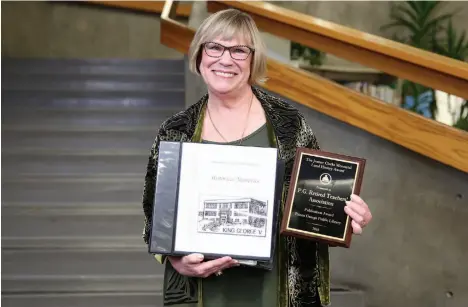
216 50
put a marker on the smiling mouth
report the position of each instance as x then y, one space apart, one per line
224 74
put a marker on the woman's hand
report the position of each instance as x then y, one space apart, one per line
359 212
193 265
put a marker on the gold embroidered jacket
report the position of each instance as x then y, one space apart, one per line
304 264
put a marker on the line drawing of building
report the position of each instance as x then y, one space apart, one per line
249 212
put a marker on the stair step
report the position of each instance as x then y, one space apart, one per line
101 191
91 243
44 269
91 66
60 120
59 263
114 299
49 284
85 101
117 299
31 83
14 166
65 152
41 221
77 141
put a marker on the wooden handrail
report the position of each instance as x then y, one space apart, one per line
183 10
425 136
428 137
394 58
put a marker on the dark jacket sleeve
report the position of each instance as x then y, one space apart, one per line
322 249
309 135
149 185
178 288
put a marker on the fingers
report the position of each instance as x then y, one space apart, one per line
214 265
221 268
210 267
357 205
193 265
353 214
363 205
357 199
357 229
359 212
192 259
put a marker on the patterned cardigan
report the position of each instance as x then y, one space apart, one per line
304 264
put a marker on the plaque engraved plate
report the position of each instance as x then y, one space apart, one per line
321 183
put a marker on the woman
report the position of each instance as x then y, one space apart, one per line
228 53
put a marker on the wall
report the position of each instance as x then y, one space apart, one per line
347 13
58 29
414 251
77 30
74 30
366 16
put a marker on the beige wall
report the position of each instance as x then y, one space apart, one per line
72 30
49 29
366 16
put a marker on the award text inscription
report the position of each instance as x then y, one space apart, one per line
323 187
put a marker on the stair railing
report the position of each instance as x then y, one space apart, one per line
425 136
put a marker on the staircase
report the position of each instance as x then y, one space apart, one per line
76 136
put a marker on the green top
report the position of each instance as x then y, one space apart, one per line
303 264
243 286
258 138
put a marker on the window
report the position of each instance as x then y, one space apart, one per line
225 206
241 205
210 213
211 206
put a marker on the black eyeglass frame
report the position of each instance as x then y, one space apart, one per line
252 50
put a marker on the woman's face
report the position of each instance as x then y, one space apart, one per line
224 74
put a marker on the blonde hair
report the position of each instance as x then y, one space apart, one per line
226 25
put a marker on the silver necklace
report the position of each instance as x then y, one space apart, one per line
245 126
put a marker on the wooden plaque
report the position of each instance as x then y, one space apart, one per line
321 183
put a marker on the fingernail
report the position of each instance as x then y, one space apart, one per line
200 256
